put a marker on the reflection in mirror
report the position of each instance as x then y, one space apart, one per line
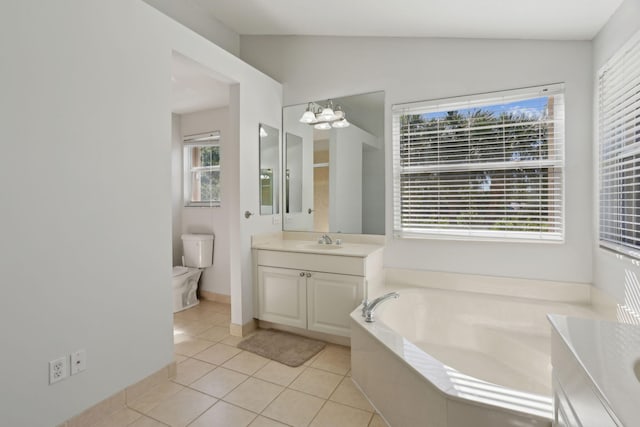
293 174
342 184
269 172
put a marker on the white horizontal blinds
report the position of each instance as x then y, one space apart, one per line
202 169
619 135
483 166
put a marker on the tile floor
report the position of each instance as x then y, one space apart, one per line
218 384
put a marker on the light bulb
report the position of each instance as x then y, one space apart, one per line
343 123
327 114
322 126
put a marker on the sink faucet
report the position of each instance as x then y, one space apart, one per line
327 239
369 307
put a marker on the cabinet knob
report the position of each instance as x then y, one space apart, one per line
308 274
302 274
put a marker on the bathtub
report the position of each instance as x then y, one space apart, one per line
439 358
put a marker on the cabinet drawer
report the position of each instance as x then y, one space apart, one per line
354 266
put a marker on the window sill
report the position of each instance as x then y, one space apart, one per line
556 239
202 205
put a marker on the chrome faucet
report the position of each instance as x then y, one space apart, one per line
327 239
369 307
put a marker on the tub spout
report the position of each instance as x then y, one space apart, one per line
368 308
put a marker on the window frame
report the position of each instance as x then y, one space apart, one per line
208 139
619 159
473 101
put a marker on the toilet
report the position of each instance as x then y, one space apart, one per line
198 255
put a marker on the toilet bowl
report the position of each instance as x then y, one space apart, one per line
185 287
198 255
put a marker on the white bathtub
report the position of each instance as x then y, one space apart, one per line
457 359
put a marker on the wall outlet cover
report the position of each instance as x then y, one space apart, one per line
78 361
58 370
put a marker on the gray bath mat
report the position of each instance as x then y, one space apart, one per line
292 350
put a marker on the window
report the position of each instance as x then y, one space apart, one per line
619 143
202 169
481 167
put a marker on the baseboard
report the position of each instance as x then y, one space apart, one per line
120 399
243 330
212 296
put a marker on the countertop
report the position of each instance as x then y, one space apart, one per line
311 247
607 352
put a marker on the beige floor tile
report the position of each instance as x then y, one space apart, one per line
333 358
217 354
232 340
215 333
348 394
187 345
266 422
220 319
182 408
377 421
253 394
145 421
190 370
294 408
193 328
219 307
224 414
246 362
153 397
179 358
278 373
219 382
334 414
122 417
317 382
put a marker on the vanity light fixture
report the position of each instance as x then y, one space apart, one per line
326 117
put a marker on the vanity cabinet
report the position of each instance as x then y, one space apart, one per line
315 292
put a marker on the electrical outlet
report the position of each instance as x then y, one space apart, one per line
78 361
57 370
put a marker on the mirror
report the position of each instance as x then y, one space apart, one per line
269 172
293 174
334 179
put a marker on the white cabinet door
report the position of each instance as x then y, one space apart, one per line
282 296
330 299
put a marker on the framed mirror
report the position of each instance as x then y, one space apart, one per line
293 183
269 170
336 167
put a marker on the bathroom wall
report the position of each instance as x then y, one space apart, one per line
617 275
206 220
177 200
85 179
418 69
192 15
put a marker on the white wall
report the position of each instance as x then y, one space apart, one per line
177 199
418 69
615 274
85 180
210 220
190 14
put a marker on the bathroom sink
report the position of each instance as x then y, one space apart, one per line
636 369
319 246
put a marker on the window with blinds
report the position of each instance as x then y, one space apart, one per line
619 143
481 167
202 169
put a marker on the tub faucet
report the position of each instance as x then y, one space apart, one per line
327 239
369 307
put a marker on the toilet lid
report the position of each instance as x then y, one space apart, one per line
179 270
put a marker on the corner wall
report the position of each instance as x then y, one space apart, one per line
410 69
615 274
85 178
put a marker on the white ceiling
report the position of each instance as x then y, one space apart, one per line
193 87
505 19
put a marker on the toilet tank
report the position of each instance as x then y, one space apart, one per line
198 250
